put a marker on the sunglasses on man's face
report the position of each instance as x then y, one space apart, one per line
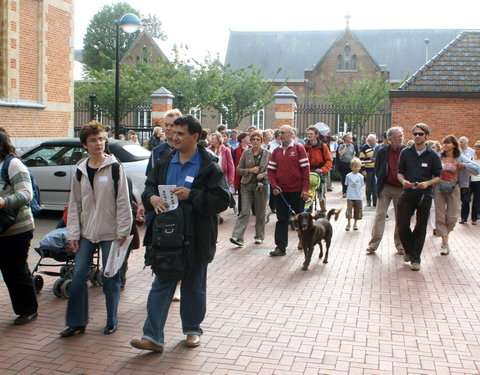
418 134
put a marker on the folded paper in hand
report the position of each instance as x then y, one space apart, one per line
166 194
116 257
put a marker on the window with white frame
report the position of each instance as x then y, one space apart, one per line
258 119
144 118
196 112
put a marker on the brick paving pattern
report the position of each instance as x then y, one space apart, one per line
358 314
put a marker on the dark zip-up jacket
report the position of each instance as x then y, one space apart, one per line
209 195
421 168
381 166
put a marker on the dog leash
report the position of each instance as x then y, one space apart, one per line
288 205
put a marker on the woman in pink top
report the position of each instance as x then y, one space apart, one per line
224 156
447 193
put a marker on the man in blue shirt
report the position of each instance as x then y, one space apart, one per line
201 186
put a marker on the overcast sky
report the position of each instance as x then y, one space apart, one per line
205 25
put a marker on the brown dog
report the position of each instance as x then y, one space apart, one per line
311 232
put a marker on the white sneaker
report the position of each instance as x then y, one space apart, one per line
258 241
445 250
176 296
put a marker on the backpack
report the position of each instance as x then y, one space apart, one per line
35 204
115 177
170 252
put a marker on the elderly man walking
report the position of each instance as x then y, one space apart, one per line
388 188
289 174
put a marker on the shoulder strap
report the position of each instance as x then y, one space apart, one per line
6 164
115 177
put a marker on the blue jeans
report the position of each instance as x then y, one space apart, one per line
193 304
77 308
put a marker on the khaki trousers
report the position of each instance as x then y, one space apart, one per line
388 194
446 210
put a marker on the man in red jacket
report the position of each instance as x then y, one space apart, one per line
289 174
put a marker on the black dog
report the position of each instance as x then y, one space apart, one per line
311 232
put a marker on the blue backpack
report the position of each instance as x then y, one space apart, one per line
34 204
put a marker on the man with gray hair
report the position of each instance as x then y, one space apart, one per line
388 188
289 174
465 195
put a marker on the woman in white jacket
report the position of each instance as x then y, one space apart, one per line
98 214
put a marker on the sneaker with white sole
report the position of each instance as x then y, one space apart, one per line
258 241
370 250
415 266
347 228
236 241
355 227
445 250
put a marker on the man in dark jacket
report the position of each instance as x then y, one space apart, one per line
388 188
419 168
202 186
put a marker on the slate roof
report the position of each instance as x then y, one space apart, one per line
402 51
456 68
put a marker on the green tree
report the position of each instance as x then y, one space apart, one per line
236 94
99 40
356 101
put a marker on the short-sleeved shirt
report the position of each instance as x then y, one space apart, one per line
354 182
348 155
182 175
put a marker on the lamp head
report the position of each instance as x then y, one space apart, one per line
129 23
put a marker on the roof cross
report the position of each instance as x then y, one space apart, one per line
347 17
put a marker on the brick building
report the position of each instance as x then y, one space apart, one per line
306 56
445 92
36 69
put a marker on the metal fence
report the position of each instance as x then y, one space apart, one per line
136 117
338 119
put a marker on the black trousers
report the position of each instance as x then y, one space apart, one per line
465 197
283 214
344 169
413 241
16 274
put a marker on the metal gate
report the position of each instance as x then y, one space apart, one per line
340 120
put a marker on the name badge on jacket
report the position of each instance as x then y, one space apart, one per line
424 165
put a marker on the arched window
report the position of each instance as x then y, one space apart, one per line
145 53
340 62
347 57
354 62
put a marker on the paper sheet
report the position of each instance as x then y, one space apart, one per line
116 257
166 194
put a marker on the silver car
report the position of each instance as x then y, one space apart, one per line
52 164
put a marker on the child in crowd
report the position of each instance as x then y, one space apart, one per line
354 182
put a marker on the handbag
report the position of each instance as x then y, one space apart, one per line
446 187
6 221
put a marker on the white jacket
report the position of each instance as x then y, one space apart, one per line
94 214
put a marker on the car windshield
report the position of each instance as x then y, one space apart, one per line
137 151
54 155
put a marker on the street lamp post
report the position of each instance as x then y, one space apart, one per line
129 24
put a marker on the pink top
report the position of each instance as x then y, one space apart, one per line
449 170
227 163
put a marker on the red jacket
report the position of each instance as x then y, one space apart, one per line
227 163
319 157
289 169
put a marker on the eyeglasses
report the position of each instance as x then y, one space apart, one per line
255 139
418 134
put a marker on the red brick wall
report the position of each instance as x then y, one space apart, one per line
34 122
442 115
28 44
58 51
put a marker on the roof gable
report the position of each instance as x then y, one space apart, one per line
456 68
399 51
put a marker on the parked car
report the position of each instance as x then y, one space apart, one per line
52 164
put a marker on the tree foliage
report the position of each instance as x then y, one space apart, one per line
99 40
357 100
236 94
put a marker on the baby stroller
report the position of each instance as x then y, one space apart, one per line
315 192
53 245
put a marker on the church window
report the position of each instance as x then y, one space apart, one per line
354 62
340 62
347 58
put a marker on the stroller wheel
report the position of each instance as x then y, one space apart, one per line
98 277
38 283
66 288
92 276
57 287
64 271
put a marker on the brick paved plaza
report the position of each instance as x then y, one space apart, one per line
358 314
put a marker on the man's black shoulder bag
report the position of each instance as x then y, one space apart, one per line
171 249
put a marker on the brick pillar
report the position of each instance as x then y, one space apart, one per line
162 101
284 107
